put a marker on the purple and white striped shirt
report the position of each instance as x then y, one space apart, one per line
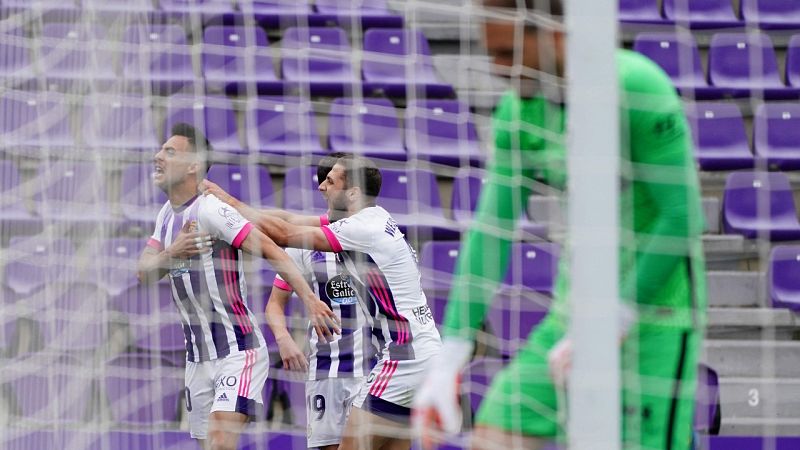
209 289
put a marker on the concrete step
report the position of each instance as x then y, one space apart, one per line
760 427
747 358
760 398
735 289
751 323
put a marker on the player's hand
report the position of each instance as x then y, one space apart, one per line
189 242
324 321
291 355
436 407
559 360
209 187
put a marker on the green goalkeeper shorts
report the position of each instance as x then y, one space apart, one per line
659 372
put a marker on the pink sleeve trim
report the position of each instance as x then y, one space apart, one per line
335 245
324 220
154 243
282 285
246 229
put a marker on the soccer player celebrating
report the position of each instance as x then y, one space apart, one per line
661 273
198 242
338 368
382 270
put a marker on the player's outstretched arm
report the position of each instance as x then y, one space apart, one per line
155 263
321 316
253 214
293 358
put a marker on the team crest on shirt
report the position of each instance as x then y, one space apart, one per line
340 291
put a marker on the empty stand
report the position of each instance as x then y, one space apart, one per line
720 138
235 57
368 127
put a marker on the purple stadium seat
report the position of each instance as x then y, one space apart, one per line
301 193
442 131
35 263
251 184
114 264
679 56
747 193
17 67
319 58
396 58
214 115
59 395
13 215
71 323
140 199
73 57
273 439
22 131
437 264
159 55
278 13
707 411
282 126
143 390
73 191
771 13
784 277
235 57
639 11
289 392
732 66
793 62
8 335
533 267
776 135
369 127
372 13
701 13
512 318
476 379
126 123
412 198
719 136
153 320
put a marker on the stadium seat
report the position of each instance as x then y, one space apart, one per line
371 13
70 323
731 62
74 192
707 412
22 131
776 135
288 391
73 57
8 336
53 390
639 11
300 191
477 377
442 131
17 67
250 183
120 123
214 115
317 59
143 390
784 277
368 127
679 56
412 198
113 264
140 200
397 58
158 55
273 439
34 263
272 14
145 439
702 13
793 62
757 204
437 264
14 216
235 57
282 126
720 139
533 267
771 14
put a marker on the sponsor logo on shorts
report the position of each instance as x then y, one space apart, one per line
340 291
227 383
423 314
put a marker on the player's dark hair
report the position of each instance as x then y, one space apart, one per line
197 141
326 164
363 173
552 8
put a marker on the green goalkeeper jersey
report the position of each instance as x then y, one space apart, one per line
661 263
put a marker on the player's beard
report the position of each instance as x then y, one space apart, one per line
337 205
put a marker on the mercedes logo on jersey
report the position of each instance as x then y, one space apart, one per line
340 291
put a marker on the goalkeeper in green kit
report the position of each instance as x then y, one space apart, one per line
662 273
